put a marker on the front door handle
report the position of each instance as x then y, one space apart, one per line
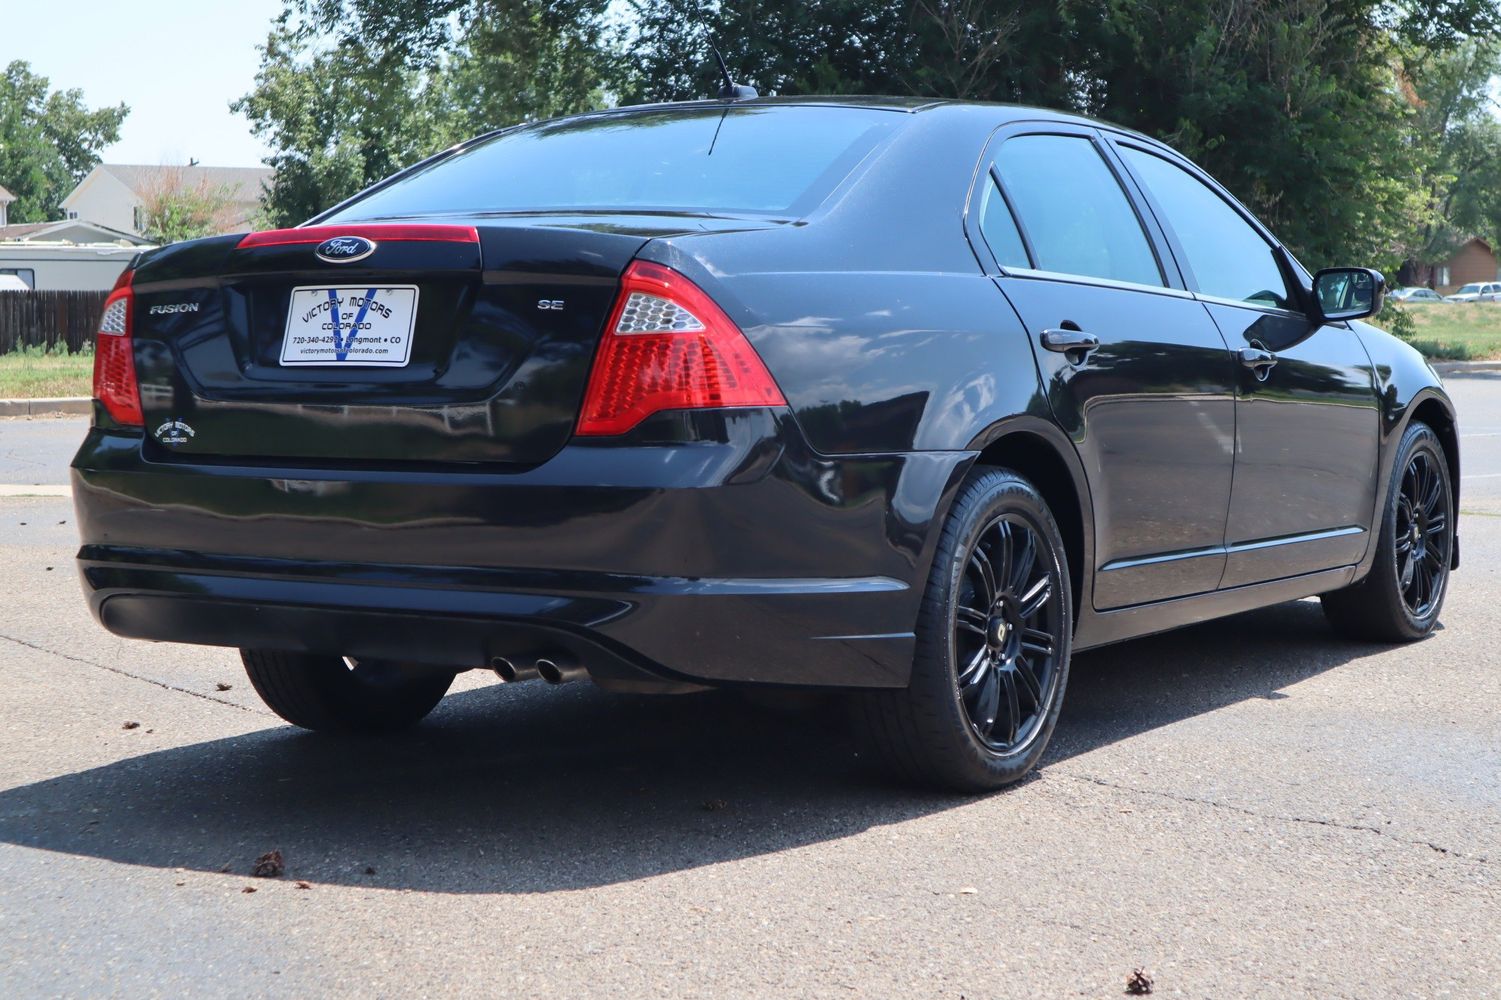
1073 344
1259 360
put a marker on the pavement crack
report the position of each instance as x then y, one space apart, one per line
1281 817
126 673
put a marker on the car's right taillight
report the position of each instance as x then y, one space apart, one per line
115 383
668 346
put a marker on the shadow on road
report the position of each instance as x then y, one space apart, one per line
536 789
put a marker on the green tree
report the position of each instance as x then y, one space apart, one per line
1457 113
1301 107
350 91
173 209
48 141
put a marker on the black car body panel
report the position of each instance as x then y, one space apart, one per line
446 512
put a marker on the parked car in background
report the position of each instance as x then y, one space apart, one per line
904 399
1417 295
1477 291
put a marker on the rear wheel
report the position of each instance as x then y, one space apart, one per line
341 695
993 641
1400 599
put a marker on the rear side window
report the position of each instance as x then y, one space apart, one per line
1228 258
999 228
1074 210
759 160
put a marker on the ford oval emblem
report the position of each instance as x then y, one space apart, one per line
344 249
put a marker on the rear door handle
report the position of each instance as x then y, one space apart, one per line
1258 360
1067 342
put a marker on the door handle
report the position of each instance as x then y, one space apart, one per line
1259 360
1072 344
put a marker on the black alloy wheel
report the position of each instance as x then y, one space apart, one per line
1401 597
1421 535
994 633
1005 621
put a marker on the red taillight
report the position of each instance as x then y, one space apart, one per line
669 347
114 356
395 233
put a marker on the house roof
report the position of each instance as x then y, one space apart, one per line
75 231
244 183
5 196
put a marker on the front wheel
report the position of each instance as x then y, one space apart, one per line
1399 600
993 639
341 695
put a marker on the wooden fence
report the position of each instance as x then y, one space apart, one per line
31 319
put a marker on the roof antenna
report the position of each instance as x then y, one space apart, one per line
731 91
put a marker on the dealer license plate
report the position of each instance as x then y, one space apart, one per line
354 326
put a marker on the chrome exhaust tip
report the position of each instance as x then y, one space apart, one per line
560 670
508 671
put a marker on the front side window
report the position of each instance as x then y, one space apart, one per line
1074 210
1229 258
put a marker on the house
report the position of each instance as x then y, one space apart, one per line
70 255
114 194
5 199
1475 260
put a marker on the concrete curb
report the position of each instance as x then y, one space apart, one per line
33 407
1465 367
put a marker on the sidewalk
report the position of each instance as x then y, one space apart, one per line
34 407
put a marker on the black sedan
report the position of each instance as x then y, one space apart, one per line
907 400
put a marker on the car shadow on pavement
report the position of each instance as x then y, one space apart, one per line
534 789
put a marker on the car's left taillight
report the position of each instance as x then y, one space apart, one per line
115 383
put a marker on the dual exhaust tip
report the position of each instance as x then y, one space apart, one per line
554 667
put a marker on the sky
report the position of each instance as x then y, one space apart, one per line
176 63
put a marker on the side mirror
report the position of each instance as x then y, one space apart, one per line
1341 293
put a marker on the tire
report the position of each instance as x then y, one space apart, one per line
328 694
1401 597
934 732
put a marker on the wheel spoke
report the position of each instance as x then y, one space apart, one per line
981 563
1436 524
1029 681
970 619
1005 556
975 669
1013 710
1025 562
987 703
1035 640
1035 599
1404 542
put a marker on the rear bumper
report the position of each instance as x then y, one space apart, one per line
741 558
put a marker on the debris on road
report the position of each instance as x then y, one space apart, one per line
221 686
369 870
248 888
1139 982
269 865
132 724
304 885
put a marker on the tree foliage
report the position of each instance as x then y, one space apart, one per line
49 140
1301 107
1357 129
351 90
174 209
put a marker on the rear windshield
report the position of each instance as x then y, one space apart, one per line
780 161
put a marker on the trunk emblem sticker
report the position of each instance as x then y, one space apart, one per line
344 249
173 433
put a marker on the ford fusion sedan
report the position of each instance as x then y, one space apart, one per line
903 400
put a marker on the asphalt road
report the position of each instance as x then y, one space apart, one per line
1250 807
